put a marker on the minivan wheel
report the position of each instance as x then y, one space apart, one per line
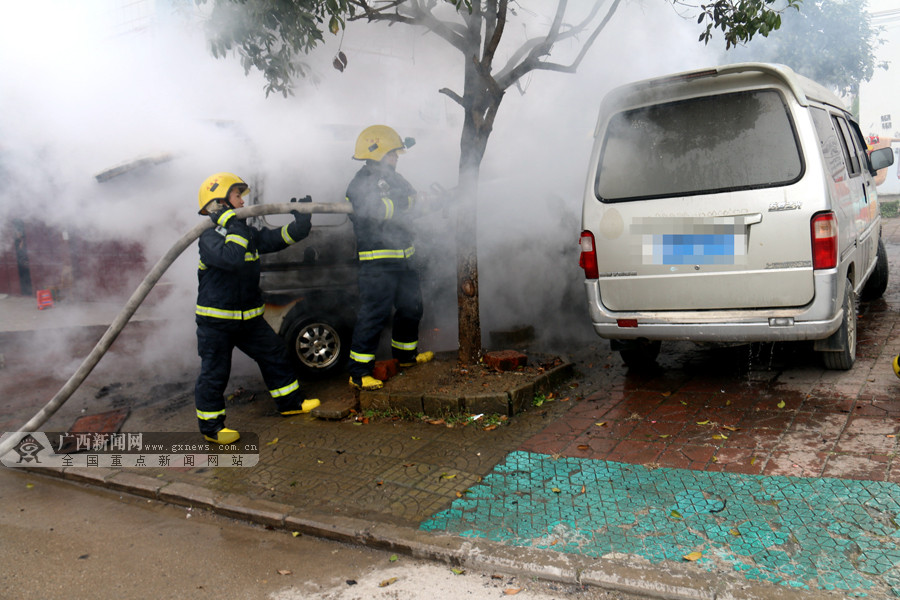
639 354
318 346
878 280
845 336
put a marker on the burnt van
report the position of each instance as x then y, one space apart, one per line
734 204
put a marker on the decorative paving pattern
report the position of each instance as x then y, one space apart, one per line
809 533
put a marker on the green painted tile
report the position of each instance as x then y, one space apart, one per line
796 532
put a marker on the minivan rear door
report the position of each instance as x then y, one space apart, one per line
693 209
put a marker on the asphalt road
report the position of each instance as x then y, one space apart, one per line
62 540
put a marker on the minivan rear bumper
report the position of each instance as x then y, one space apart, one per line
815 321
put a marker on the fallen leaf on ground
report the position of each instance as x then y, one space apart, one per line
295 533
490 427
284 571
512 591
780 404
583 447
601 424
556 491
387 582
447 476
693 556
272 443
706 422
394 558
458 571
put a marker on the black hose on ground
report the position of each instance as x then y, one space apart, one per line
138 297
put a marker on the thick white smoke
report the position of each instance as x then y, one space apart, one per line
88 86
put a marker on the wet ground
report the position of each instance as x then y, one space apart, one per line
750 464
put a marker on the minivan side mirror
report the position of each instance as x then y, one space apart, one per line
881 158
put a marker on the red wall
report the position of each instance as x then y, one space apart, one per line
76 266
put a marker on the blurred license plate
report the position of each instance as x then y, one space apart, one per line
693 249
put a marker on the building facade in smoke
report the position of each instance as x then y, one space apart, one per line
70 263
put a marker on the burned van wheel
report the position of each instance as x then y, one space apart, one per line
318 346
639 354
878 280
845 336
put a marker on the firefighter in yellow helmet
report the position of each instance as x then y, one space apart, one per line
384 204
230 307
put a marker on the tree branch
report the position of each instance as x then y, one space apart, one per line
452 95
533 62
415 14
490 48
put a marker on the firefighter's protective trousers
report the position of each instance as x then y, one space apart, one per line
383 288
216 341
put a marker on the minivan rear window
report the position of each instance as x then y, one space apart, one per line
703 145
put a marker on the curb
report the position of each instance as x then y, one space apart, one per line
620 573
510 402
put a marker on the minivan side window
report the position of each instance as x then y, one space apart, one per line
831 146
850 154
860 142
724 142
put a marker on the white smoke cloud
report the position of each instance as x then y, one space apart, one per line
89 86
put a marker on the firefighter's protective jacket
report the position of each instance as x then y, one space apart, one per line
383 205
229 267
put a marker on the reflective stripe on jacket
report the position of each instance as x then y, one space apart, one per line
228 273
383 203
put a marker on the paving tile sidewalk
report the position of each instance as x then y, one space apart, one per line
810 487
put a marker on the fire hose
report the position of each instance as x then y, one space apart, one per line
138 297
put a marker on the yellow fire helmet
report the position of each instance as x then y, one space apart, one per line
376 141
216 187
896 365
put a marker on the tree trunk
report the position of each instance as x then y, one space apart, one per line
480 103
467 262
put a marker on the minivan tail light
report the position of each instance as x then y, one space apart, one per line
588 258
824 241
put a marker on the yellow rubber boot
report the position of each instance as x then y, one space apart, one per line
366 383
307 406
224 436
421 358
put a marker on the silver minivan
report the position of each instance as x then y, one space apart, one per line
730 205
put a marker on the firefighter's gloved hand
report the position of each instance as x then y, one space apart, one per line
223 218
301 226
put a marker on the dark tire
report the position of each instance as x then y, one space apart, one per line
878 280
845 336
319 347
639 354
